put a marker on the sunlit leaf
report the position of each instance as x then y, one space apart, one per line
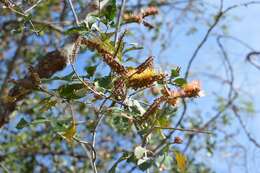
181 161
69 133
110 10
134 47
175 72
46 104
91 70
180 81
73 91
104 82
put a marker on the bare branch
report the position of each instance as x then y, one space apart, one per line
249 136
118 22
74 12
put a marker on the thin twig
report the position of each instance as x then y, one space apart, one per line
74 12
252 139
118 22
85 145
98 122
184 130
230 67
220 14
203 41
85 84
4 168
32 7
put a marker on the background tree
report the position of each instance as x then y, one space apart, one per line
82 87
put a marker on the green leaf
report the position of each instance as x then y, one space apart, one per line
145 165
77 30
104 82
65 78
175 72
118 120
134 47
58 126
70 132
249 107
91 70
110 11
135 108
46 104
180 82
40 120
22 123
73 91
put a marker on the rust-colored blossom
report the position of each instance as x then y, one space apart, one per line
177 140
150 11
191 89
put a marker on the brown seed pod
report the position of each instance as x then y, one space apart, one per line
152 108
148 63
114 65
131 18
51 63
95 44
150 11
119 89
34 77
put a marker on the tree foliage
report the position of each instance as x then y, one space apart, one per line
76 97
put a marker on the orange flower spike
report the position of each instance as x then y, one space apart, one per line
172 97
131 18
192 89
150 11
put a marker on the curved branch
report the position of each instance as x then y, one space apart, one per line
249 58
220 14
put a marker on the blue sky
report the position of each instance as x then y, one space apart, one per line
242 23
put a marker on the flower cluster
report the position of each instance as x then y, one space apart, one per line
192 89
189 90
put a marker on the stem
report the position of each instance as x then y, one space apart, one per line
32 7
74 12
119 21
184 130
92 156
